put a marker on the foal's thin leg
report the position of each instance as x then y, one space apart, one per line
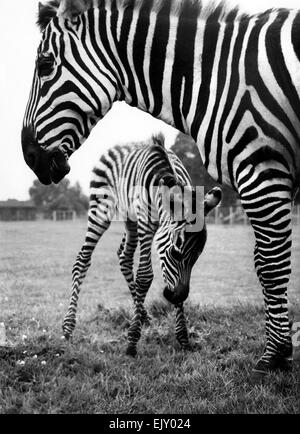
181 327
99 219
144 277
126 256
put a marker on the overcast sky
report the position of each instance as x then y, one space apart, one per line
19 38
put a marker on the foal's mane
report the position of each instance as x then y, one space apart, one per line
167 173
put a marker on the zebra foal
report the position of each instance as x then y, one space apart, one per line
135 181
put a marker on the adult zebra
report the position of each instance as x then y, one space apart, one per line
133 183
229 80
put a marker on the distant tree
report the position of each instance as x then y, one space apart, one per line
48 198
187 150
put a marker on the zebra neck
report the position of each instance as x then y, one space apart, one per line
207 76
153 53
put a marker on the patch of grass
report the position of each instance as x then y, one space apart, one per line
40 373
93 375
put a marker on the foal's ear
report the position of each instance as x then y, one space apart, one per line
212 199
70 9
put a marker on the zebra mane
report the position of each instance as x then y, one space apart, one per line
203 8
167 173
216 10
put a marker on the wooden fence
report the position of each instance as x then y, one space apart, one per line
59 215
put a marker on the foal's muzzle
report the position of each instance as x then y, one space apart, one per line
178 295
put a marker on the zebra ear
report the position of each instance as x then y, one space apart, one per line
70 9
46 13
41 7
212 198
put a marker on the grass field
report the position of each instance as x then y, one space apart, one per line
42 374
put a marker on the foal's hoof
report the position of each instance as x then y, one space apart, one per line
67 337
131 351
67 334
146 321
187 347
263 367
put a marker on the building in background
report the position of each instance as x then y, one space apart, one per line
16 210
61 201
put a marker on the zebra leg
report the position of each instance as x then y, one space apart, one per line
144 277
181 328
99 219
126 256
121 248
270 216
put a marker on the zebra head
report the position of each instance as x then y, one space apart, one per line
179 248
70 92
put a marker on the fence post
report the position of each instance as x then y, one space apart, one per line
216 215
298 214
54 217
231 216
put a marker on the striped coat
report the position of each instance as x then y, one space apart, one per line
129 184
227 78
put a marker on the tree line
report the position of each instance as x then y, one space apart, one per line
66 196
48 198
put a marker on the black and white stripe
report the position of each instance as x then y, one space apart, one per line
127 182
228 79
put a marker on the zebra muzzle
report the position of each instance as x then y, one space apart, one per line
178 295
48 165
59 166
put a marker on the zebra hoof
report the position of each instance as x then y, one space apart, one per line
259 372
276 364
146 321
187 347
68 328
131 351
67 334
66 337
